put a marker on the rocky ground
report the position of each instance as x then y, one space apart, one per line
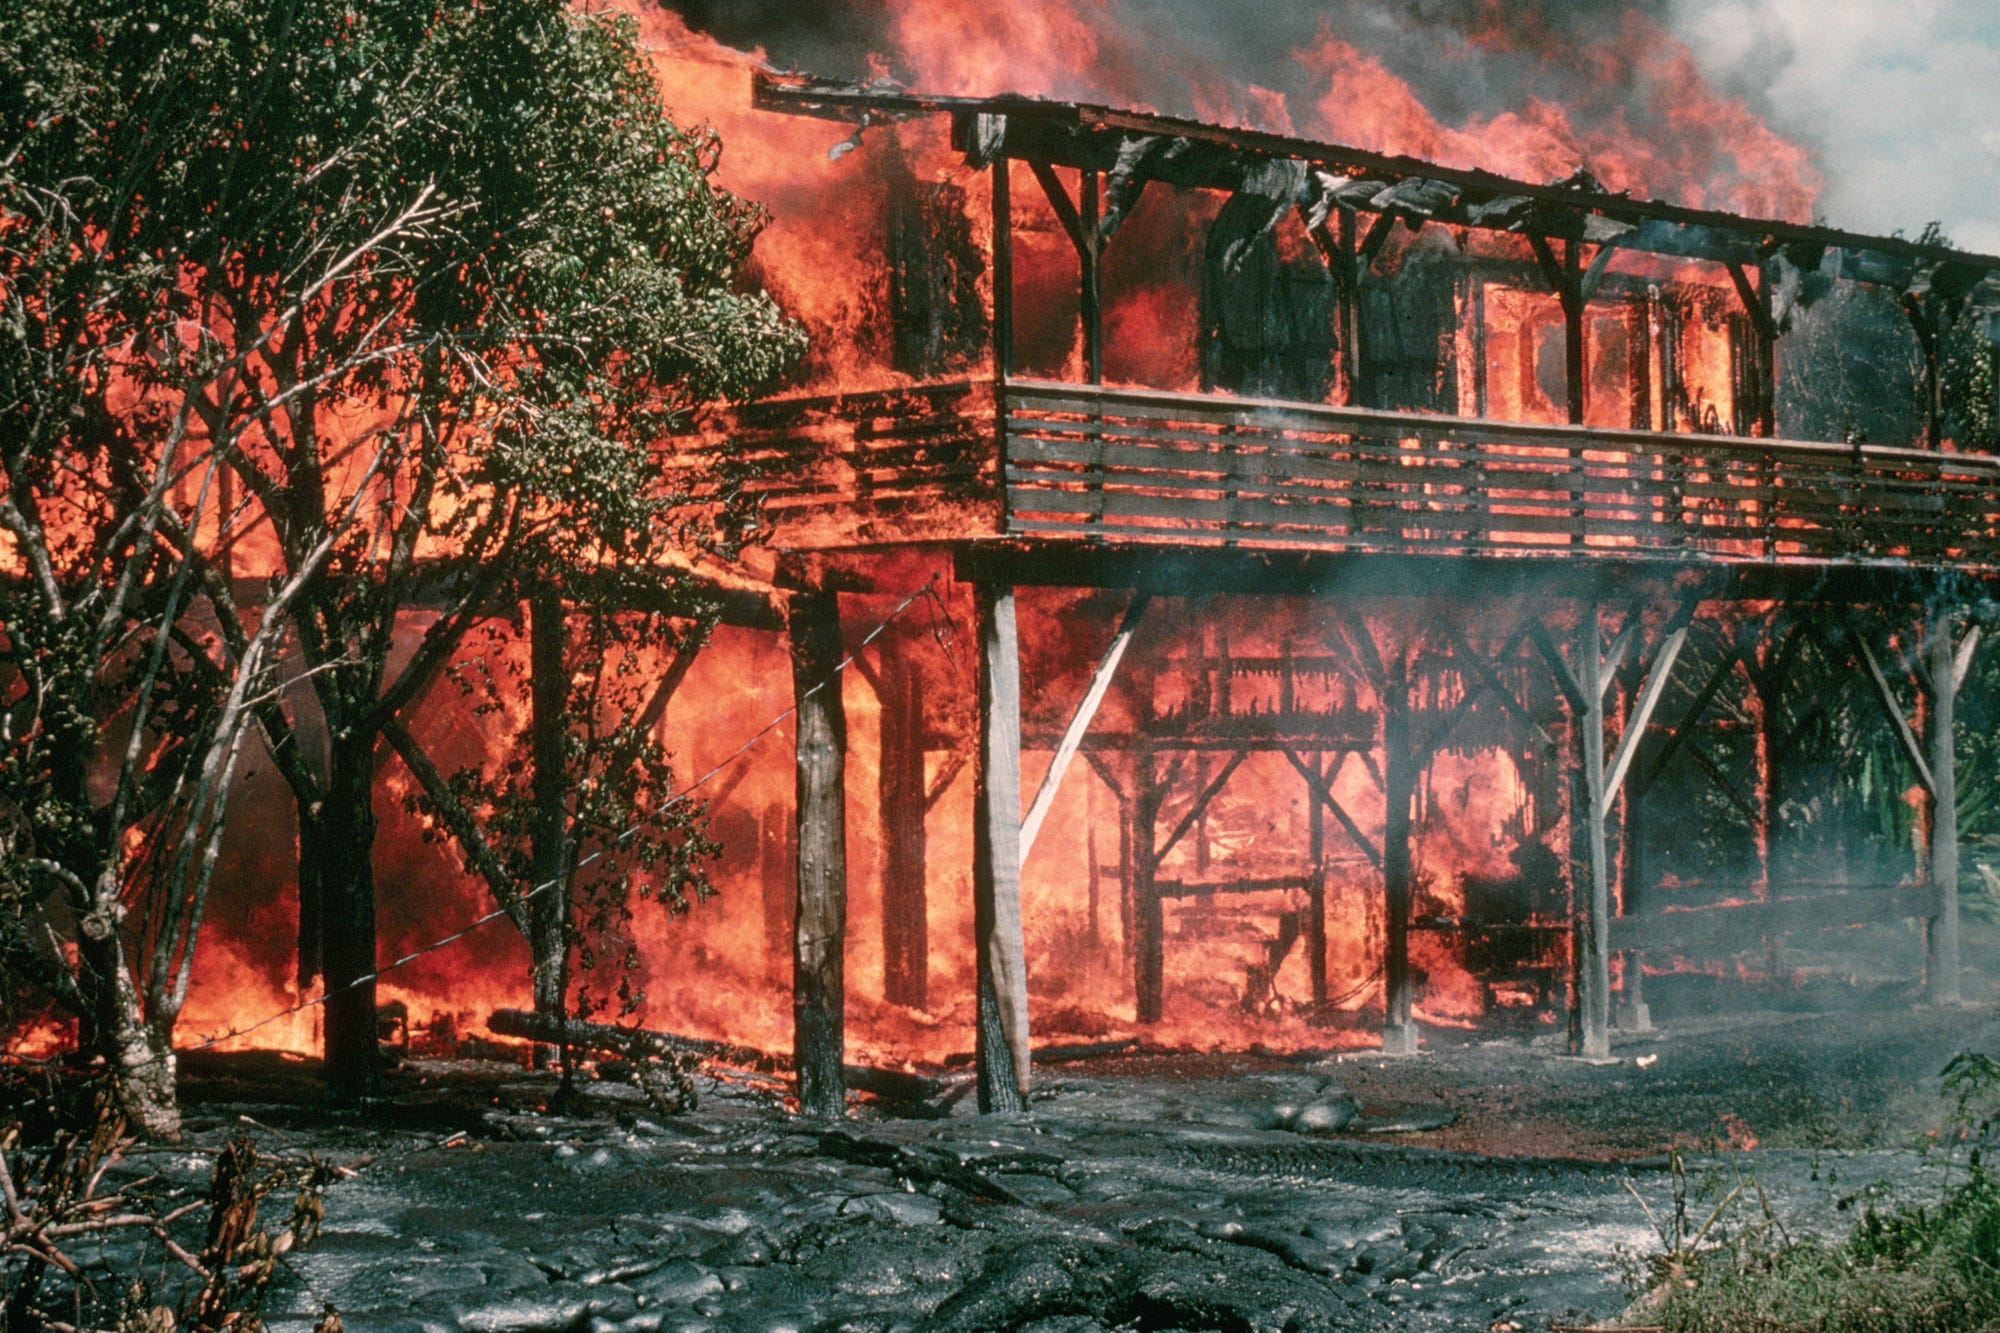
1480 1185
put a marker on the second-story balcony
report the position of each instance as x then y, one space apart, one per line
967 460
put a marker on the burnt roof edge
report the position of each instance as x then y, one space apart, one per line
883 102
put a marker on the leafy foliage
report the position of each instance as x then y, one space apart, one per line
1912 1268
379 306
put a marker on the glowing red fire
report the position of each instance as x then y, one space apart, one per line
723 970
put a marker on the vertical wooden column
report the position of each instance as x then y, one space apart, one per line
1001 1042
1399 782
1941 936
1316 901
1592 956
905 928
1148 919
1091 257
1003 269
1633 1014
1576 379
1346 268
819 1036
1630 1014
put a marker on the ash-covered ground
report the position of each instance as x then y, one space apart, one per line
1480 1185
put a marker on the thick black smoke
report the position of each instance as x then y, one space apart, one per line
1465 58
828 37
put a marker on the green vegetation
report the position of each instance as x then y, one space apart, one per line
1906 1268
328 332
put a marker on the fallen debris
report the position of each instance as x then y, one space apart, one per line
891 1085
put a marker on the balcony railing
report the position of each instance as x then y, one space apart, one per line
1114 463
1050 460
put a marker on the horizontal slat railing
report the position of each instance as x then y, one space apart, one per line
1116 463
916 463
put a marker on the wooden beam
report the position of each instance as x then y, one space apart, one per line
1321 787
1575 368
1676 738
670 681
1371 244
1599 262
1743 804
1741 927
1593 982
1464 650
1941 954
1892 708
819 1036
1003 270
1201 802
1091 297
1065 208
1400 777
1621 648
1001 1043
949 767
1642 708
902 796
1566 677
1079 723
1316 778
1148 922
1961 663
1104 773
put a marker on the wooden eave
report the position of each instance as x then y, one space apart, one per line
1206 156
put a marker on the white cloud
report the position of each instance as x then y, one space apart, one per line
1900 100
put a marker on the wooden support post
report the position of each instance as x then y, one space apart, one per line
1576 380
1638 709
1001 1042
905 909
1003 270
1760 360
1079 723
1316 903
819 1037
1400 771
1632 1013
1344 262
1926 319
1148 924
1092 258
1941 971
1592 959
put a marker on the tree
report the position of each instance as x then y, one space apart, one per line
124 710
461 266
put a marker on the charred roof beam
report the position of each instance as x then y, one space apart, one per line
1135 148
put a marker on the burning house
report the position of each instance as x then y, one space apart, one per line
1361 512
1239 590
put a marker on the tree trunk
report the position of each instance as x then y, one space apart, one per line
140 1056
339 836
548 908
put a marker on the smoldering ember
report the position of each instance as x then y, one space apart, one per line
1058 679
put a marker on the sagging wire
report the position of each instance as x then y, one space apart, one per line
928 591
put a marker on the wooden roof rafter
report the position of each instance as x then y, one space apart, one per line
1135 148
